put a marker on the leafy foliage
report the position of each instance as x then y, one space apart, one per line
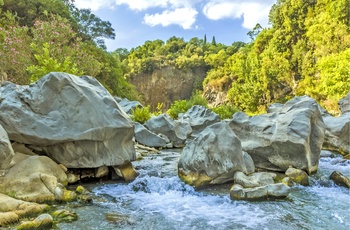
225 111
141 115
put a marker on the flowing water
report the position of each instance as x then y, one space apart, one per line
157 199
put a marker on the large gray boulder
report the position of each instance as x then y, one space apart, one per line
148 138
212 157
163 124
293 136
338 128
6 151
74 120
199 118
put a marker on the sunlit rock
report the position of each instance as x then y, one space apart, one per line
298 176
35 179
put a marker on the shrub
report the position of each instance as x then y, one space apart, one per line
141 115
180 106
225 111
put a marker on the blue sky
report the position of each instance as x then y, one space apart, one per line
136 21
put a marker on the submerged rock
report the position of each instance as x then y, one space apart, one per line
74 120
211 158
293 136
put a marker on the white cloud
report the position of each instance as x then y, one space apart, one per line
142 4
94 4
185 17
252 11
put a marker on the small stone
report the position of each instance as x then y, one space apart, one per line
101 172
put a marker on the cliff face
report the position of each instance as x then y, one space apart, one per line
167 85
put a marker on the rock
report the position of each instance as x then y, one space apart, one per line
199 118
298 176
337 133
148 138
340 179
18 157
254 180
182 129
36 179
249 163
326 153
271 191
211 158
44 221
6 151
163 124
128 106
291 137
276 107
101 172
21 148
344 104
74 120
63 215
11 210
126 171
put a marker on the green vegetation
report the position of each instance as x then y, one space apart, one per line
141 115
225 111
306 51
181 106
40 36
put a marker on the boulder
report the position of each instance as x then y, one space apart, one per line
298 176
212 157
148 138
344 104
129 106
35 179
275 107
6 151
340 179
199 118
291 137
337 133
254 180
163 124
271 191
74 120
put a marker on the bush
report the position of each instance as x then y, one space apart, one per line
225 111
141 115
180 106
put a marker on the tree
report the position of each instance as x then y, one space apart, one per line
213 42
254 33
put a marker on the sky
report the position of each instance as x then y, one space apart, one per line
137 21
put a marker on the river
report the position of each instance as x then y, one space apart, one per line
157 199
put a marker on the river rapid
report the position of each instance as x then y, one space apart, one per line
157 199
